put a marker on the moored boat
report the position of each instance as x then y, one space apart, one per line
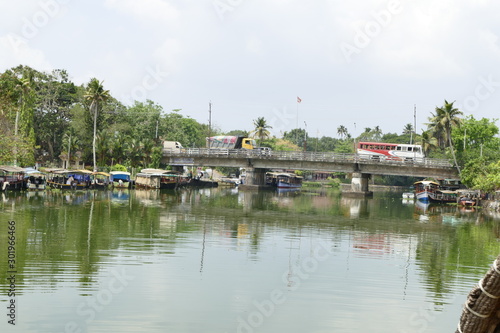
283 180
35 180
408 195
69 179
12 178
148 180
100 180
120 179
159 179
430 191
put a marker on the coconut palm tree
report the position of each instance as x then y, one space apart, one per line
443 121
428 142
261 130
377 133
96 96
342 131
408 129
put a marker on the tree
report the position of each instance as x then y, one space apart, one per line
371 134
342 132
237 133
408 129
429 142
96 96
445 119
295 136
261 130
56 97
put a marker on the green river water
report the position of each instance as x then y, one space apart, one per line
223 260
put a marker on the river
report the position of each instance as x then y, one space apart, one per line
223 260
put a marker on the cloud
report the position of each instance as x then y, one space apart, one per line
15 51
145 10
168 54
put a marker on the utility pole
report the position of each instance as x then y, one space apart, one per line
305 136
209 123
414 128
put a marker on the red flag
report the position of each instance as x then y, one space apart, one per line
298 99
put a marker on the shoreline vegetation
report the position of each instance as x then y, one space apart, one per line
50 121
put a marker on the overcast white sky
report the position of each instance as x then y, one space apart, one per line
360 63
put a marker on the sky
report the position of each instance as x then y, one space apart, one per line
360 63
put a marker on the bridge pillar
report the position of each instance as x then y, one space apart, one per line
359 185
255 179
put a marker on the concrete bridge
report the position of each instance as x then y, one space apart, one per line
361 167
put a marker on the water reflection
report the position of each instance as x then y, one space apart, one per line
204 257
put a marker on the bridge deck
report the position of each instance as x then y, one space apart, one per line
311 161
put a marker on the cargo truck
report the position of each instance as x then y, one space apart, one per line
231 142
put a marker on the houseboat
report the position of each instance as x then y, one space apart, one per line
100 180
35 180
12 178
159 179
148 180
431 191
283 180
69 179
120 179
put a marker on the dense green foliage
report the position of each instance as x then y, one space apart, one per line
46 118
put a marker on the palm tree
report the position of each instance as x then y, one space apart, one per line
96 95
377 133
261 129
428 142
443 121
342 132
408 129
72 144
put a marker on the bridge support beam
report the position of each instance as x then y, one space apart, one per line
359 185
255 179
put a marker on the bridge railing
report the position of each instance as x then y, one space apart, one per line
305 156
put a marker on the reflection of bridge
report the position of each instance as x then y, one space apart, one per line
256 162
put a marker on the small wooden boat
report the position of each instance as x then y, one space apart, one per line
35 180
120 179
69 179
283 180
100 180
12 178
408 195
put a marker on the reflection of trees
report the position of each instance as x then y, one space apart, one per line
80 229
466 249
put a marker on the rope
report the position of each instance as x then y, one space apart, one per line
485 292
473 321
495 266
476 313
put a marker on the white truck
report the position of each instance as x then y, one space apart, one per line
172 146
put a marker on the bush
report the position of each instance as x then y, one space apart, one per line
118 167
335 182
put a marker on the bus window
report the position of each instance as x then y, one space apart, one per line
410 148
398 148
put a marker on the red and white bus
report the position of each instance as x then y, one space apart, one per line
389 151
